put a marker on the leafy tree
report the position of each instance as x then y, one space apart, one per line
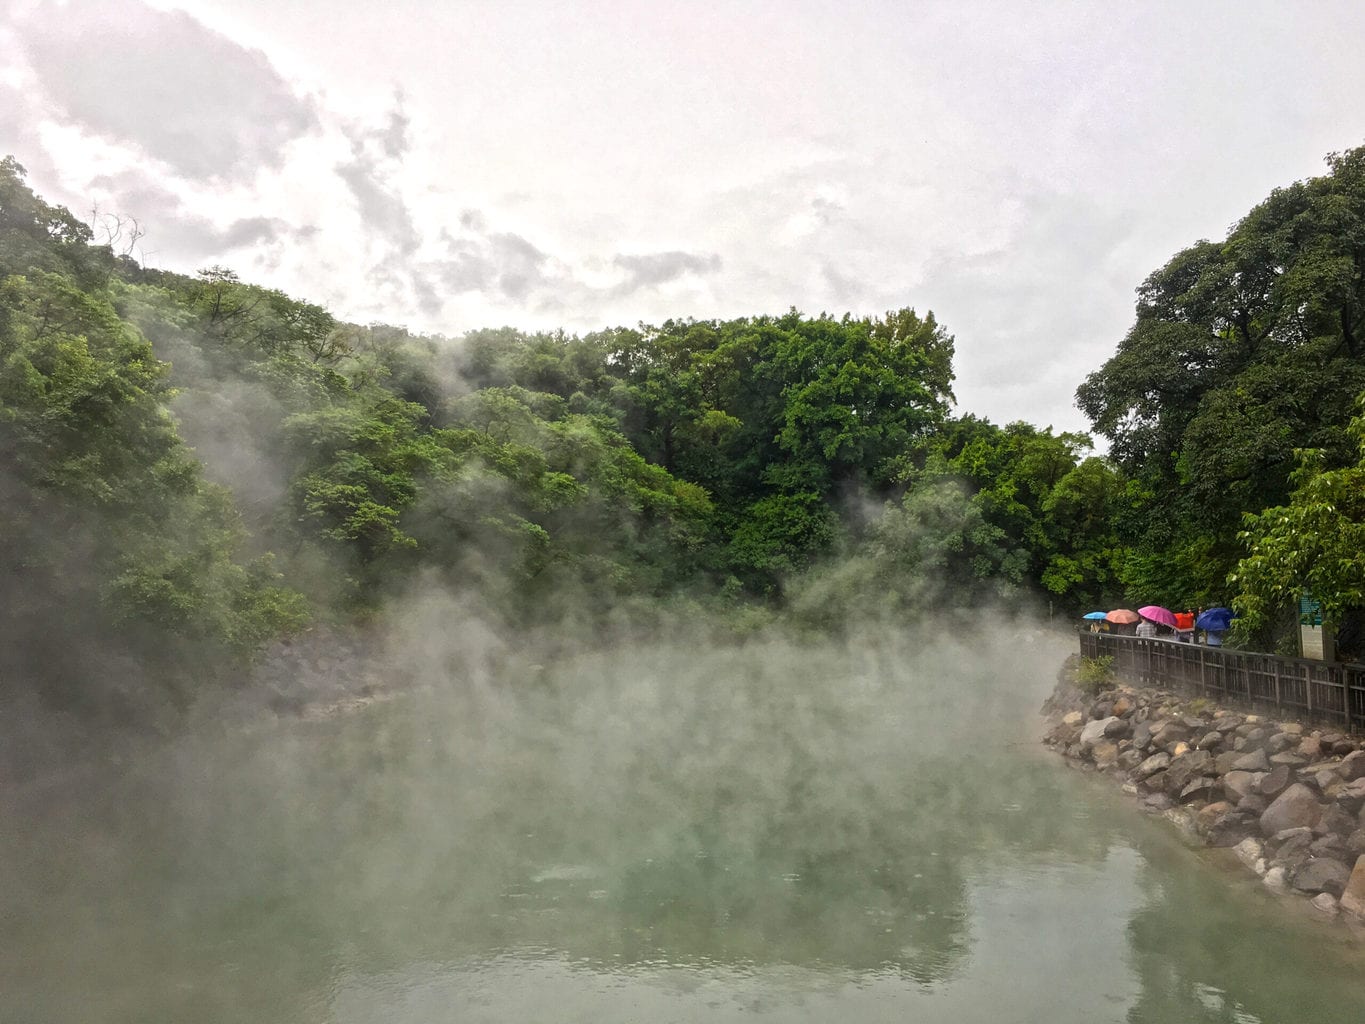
114 541
1314 544
1242 352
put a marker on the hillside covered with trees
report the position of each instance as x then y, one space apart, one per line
193 465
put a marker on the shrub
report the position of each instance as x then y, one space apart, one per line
1093 674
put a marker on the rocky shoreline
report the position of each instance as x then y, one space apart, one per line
1287 798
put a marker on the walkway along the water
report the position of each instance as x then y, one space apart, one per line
1311 690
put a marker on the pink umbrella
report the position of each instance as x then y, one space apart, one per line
1161 616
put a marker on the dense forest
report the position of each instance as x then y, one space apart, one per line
192 465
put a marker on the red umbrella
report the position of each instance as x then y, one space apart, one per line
1161 616
1122 616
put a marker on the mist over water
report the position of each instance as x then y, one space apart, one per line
663 830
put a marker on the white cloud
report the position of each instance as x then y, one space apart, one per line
462 165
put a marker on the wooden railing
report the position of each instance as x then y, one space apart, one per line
1325 691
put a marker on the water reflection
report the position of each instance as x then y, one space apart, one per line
651 834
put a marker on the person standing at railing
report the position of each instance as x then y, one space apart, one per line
1184 626
1146 628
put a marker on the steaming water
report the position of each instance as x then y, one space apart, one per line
866 834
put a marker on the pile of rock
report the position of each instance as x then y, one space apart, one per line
1290 800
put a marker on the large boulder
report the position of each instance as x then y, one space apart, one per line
1352 766
1321 874
1211 740
1256 761
1276 781
1296 807
1118 728
1205 787
1157 762
1154 783
1142 735
1290 759
1224 762
1351 796
1187 767
1094 732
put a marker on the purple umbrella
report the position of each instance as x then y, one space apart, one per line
1161 616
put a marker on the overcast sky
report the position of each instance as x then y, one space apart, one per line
1017 168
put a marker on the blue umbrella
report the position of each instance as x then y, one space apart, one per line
1215 620
1095 616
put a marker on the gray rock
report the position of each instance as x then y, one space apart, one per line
1253 803
1158 802
1296 806
1280 741
1256 761
1325 903
1094 732
1275 878
1142 735
1351 796
1194 724
1227 724
1337 821
1203 788
1210 741
1325 780
1157 762
1239 785
1355 844
1223 763
1276 781
1321 874
1249 851
1129 759
1292 853
1343 747
1170 733
1286 758
1352 766
1186 768
1118 728
1156 782
1330 845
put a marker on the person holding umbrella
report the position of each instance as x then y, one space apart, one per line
1154 615
1094 620
1214 622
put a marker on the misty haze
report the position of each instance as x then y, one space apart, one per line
533 514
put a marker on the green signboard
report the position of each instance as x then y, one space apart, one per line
1310 612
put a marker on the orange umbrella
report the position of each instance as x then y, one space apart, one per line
1122 616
